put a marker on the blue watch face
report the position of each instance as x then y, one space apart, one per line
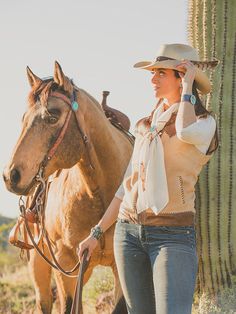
193 99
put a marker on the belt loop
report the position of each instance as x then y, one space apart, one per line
125 221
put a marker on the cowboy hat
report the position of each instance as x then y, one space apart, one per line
169 56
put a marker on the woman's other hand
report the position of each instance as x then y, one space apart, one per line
89 243
187 77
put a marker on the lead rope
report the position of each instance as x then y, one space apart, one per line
77 300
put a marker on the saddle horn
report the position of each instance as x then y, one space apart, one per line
114 115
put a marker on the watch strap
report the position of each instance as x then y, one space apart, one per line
189 98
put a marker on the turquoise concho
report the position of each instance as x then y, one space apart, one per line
153 128
75 106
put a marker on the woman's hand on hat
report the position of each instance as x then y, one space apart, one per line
187 77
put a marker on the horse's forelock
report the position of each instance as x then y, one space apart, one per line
42 90
37 90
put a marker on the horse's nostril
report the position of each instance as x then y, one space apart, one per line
15 176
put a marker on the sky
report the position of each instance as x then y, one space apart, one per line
95 42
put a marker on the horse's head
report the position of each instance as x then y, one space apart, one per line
49 139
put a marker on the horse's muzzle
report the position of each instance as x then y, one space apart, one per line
12 180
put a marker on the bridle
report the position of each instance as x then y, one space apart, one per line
74 106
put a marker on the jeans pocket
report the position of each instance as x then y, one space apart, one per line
184 234
179 230
121 229
118 228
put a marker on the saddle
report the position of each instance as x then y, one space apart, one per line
115 116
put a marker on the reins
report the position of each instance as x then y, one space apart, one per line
129 135
55 265
77 300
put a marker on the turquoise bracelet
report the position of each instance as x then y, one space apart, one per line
96 232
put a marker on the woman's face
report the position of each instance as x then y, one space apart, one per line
166 84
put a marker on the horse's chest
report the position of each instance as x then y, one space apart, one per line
71 218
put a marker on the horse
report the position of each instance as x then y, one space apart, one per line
86 168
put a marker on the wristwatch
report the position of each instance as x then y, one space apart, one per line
96 232
189 98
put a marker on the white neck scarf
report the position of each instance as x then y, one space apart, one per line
148 159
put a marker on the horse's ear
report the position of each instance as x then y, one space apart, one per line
61 79
59 76
33 79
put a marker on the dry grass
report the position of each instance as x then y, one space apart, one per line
17 293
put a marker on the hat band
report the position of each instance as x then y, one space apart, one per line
203 65
162 58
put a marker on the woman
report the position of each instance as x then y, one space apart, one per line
154 240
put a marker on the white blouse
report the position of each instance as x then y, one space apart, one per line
199 133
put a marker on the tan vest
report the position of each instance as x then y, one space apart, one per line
183 164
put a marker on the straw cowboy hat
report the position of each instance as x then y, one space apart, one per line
169 56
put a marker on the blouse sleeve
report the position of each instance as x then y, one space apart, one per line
121 192
199 133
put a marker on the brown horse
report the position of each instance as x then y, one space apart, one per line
91 159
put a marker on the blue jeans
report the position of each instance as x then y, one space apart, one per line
157 267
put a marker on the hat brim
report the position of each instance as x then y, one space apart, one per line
201 79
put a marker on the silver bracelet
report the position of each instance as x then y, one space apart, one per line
96 232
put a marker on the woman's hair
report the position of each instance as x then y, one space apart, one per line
200 110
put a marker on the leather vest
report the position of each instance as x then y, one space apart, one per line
183 164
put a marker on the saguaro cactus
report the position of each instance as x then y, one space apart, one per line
212 31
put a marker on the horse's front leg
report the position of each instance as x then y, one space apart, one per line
40 272
66 290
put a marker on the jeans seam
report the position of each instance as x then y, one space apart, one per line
191 240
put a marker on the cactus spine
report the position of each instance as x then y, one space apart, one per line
212 31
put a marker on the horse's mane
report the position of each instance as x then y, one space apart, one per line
91 98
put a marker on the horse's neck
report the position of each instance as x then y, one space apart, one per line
102 161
